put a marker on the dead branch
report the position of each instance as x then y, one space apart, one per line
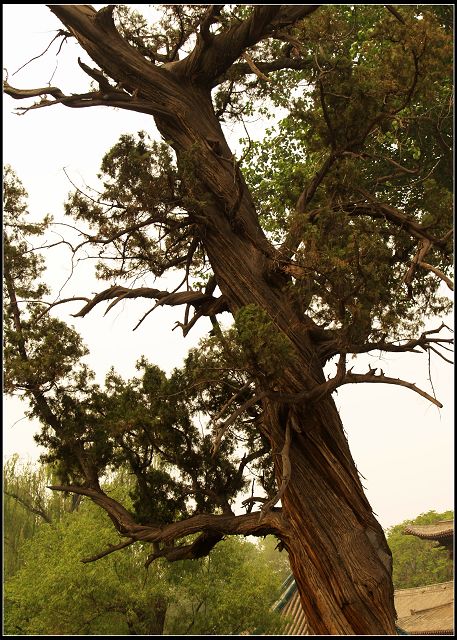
371 376
220 432
253 67
111 549
60 34
424 342
286 472
118 293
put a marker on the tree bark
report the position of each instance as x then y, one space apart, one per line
338 552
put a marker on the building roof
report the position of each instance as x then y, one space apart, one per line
421 611
435 531
426 610
291 610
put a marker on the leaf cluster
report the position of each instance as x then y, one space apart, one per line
371 125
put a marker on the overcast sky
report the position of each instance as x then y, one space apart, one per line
402 445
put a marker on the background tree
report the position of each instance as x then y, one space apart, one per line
419 562
25 507
53 592
335 246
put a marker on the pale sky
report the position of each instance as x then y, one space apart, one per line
402 445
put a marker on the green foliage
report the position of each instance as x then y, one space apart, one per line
374 118
53 593
418 562
231 592
147 423
263 344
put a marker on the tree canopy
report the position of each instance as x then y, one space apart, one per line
330 237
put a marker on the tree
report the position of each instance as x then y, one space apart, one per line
418 562
330 238
53 592
26 505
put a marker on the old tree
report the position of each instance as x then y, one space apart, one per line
329 238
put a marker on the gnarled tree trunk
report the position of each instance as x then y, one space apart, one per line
338 552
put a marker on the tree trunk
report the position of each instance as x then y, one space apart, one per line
338 552
152 623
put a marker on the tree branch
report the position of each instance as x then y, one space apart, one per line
240 69
222 429
254 68
395 13
294 236
36 510
437 272
286 472
111 549
375 209
371 376
111 98
197 549
209 525
118 293
214 59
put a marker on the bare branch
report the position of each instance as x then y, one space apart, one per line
253 67
51 305
236 414
111 549
424 342
118 293
111 98
27 505
286 472
60 33
372 377
437 272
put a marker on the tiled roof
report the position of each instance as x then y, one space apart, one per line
291 610
426 610
435 531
